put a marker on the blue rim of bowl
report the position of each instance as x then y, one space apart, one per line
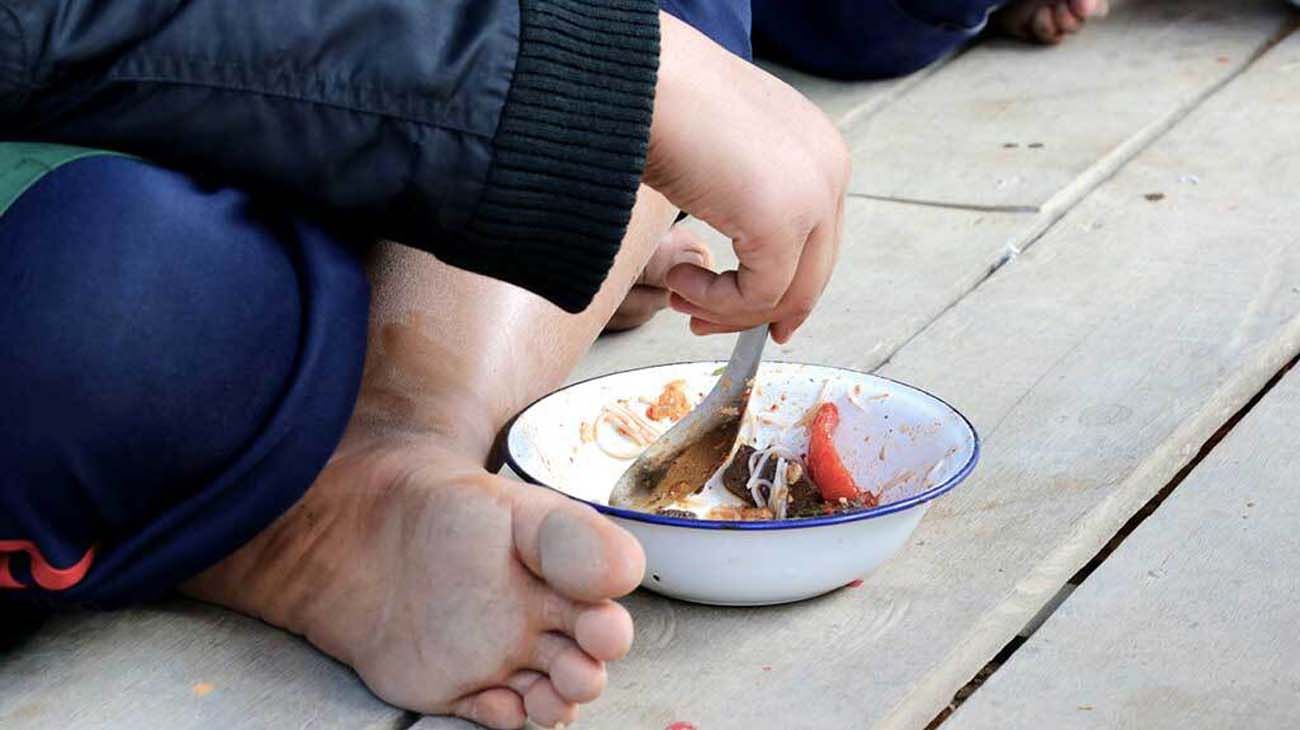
794 524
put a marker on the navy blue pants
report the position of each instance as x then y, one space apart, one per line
865 39
179 363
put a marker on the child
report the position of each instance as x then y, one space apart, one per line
216 378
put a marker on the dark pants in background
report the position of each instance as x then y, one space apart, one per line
865 39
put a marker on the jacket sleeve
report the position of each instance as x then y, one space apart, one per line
507 137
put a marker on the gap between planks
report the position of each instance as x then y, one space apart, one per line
1064 200
1148 509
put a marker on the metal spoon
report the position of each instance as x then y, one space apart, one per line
683 459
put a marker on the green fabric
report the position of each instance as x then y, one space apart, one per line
23 163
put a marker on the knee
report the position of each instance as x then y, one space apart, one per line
150 321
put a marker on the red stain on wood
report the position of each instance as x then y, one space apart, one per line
681 726
855 583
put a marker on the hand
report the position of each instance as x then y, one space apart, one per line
737 148
650 293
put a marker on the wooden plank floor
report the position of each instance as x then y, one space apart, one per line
1097 338
1191 623
1085 104
1095 365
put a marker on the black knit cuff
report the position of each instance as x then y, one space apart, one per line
570 147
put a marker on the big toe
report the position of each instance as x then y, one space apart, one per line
579 554
588 558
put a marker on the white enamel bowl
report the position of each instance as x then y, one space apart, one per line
896 439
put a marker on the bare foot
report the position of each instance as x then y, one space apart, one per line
448 589
1046 21
650 294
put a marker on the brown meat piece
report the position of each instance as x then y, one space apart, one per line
681 513
805 499
737 474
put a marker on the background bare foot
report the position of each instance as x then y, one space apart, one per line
1046 21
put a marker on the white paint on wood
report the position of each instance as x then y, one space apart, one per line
1191 623
1095 365
177 666
1121 80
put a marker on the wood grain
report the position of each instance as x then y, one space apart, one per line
1012 124
1095 365
178 666
1191 623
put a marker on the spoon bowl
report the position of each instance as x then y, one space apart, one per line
697 445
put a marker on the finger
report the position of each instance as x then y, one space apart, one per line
746 296
682 306
1065 19
700 322
703 327
810 280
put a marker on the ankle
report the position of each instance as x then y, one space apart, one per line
285 573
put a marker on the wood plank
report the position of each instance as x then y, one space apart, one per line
176 666
847 102
1090 103
1095 365
1191 622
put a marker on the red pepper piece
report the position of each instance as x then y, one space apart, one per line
825 467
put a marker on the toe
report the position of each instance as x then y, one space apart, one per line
640 305
1043 26
1089 8
499 708
578 553
1065 19
546 707
588 558
604 631
575 676
680 245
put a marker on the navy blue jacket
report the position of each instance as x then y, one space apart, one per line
508 137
